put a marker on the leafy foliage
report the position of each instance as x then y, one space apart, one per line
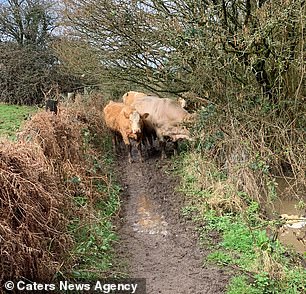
243 243
27 63
210 47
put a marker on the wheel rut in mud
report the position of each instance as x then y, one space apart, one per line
155 241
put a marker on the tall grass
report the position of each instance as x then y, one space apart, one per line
234 227
58 196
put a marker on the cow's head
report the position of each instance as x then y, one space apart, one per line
175 133
136 121
182 102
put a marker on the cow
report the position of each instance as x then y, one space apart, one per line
129 97
125 122
149 132
166 118
182 102
52 105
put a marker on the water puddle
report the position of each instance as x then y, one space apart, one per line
293 232
148 219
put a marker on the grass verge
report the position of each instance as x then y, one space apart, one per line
11 118
231 225
92 229
94 232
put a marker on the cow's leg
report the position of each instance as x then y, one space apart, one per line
119 142
114 142
175 150
128 144
117 139
150 141
130 153
162 145
146 140
139 150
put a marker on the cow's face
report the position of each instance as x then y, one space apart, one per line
136 122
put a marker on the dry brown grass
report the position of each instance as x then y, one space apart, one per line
32 224
36 190
58 135
61 138
253 150
268 264
220 195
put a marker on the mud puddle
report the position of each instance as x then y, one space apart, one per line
148 218
155 241
293 232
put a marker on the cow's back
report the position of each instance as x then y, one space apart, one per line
111 114
129 97
161 110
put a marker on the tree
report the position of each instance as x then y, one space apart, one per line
28 63
213 46
27 73
27 22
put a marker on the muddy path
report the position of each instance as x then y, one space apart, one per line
156 243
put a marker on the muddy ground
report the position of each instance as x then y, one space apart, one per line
156 242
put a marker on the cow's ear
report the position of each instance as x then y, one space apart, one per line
145 115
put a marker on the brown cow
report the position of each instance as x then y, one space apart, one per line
166 117
124 120
128 98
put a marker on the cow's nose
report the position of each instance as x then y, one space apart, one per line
136 131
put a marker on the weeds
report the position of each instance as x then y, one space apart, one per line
62 199
93 230
94 233
217 204
32 223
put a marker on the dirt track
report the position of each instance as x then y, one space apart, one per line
155 241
